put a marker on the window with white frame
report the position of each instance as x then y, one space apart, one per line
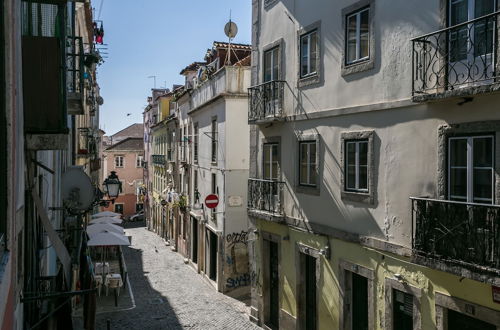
195 143
307 166
214 140
138 161
271 64
119 161
271 161
357 36
308 53
356 166
471 168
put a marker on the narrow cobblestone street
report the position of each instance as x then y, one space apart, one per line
169 294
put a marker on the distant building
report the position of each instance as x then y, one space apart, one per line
126 159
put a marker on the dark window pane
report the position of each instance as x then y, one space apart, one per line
313 52
363 153
351 153
303 173
351 177
304 55
351 38
364 34
363 177
458 152
267 66
458 182
483 184
483 153
275 64
303 152
359 302
312 175
312 153
459 12
483 7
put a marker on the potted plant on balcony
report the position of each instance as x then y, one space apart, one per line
182 203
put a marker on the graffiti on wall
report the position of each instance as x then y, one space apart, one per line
236 260
242 280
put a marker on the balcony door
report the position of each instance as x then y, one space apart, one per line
271 172
471 169
472 45
271 73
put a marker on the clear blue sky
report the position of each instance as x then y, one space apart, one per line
156 37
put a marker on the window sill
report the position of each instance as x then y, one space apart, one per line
308 80
310 190
358 66
355 196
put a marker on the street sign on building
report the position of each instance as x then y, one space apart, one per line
211 201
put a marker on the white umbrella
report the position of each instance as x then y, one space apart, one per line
108 239
102 227
105 220
106 214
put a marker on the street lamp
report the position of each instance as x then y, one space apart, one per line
112 186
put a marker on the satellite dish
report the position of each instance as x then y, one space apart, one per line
77 190
231 29
100 100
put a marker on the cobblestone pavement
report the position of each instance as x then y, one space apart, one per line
169 294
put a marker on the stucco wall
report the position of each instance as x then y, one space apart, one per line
395 23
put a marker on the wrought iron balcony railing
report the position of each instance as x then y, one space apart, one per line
458 233
265 195
159 160
464 55
266 101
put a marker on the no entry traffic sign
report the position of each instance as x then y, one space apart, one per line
211 201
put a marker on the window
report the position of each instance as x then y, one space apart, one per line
195 143
357 36
308 53
356 166
271 64
470 169
214 183
470 40
307 166
402 310
357 302
139 161
271 161
403 306
118 161
214 140
119 208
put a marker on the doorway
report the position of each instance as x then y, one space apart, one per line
213 256
194 240
461 321
310 292
402 310
273 321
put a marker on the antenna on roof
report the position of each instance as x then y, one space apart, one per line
231 30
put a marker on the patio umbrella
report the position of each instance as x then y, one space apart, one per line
105 220
108 238
106 214
102 227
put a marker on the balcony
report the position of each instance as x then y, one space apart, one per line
265 197
74 75
266 102
159 160
458 61
44 77
452 234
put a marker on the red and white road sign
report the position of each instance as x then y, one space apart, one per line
211 201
